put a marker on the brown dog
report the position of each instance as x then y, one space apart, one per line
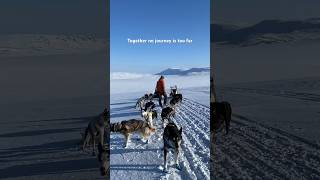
127 128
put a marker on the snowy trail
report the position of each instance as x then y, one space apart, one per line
255 151
194 118
145 161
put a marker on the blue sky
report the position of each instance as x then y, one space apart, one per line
162 19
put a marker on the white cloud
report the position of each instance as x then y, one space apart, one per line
127 75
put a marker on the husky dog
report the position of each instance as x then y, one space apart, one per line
149 116
150 97
96 128
149 106
176 98
172 138
141 102
174 90
103 158
127 128
167 113
222 114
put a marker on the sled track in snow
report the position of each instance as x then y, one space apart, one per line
194 158
253 150
194 118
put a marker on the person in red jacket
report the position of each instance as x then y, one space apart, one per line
161 91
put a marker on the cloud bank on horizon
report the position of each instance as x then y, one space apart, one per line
167 72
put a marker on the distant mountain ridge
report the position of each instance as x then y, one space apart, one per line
181 72
266 32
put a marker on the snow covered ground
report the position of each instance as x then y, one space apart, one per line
274 91
274 131
45 102
145 161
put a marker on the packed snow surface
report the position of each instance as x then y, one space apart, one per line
145 161
274 131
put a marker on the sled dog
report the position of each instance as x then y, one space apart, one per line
128 127
149 116
174 90
166 114
141 102
95 130
176 98
149 106
172 137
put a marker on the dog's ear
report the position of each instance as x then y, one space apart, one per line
180 130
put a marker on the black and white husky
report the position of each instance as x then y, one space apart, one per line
172 138
141 102
176 99
149 106
166 114
149 116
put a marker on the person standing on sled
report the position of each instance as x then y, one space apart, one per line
161 91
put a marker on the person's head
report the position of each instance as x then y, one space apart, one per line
161 77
